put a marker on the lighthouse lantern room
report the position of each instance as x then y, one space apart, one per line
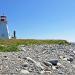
3 28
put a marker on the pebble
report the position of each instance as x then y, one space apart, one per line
42 72
25 71
74 52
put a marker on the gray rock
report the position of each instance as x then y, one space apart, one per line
53 62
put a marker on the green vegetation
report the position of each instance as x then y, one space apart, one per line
11 48
12 44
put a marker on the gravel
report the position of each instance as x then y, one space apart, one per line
39 60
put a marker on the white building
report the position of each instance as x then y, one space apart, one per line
3 28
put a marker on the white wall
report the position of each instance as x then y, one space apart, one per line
3 31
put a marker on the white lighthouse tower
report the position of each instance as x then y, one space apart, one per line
3 28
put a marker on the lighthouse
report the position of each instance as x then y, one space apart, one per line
3 28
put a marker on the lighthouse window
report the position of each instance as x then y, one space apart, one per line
2 19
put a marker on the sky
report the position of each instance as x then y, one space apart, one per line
40 19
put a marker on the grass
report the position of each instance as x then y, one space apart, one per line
11 48
11 45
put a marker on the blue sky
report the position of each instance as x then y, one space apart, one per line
40 19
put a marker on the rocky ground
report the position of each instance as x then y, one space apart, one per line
39 60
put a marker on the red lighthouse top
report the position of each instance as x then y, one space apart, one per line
2 18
